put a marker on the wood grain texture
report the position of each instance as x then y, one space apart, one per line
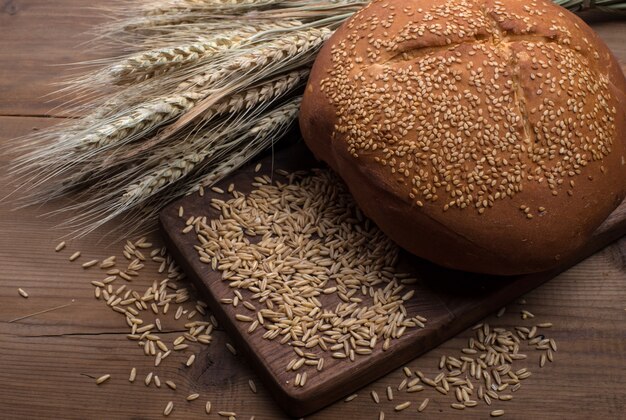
45 359
38 39
450 300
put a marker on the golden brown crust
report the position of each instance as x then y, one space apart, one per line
482 135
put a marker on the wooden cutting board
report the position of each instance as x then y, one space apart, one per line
450 300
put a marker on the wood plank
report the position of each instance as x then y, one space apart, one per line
39 38
54 377
447 298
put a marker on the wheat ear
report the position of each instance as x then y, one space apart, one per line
172 54
248 134
171 178
293 49
157 62
172 13
290 49
259 95
287 50
265 91
269 129
100 131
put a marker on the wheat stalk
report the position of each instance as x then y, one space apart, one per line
215 154
254 97
214 145
156 62
169 55
290 50
263 92
285 51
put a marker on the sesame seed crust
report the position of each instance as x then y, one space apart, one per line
465 110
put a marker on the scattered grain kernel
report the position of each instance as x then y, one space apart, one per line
375 397
168 408
351 397
90 263
190 360
402 406
103 379
423 405
231 349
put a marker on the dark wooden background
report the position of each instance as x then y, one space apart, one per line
48 362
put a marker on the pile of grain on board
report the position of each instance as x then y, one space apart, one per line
167 302
289 242
291 245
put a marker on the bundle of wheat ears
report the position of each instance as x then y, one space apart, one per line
202 87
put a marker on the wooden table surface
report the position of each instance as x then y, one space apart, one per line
48 362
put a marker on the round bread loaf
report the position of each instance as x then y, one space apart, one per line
485 136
